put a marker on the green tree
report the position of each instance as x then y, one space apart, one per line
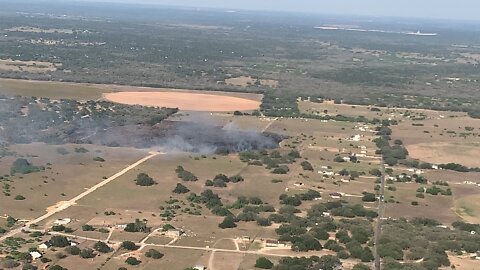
181 189
102 247
154 254
263 263
59 241
87 253
228 222
132 261
144 180
129 245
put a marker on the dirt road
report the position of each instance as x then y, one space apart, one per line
63 205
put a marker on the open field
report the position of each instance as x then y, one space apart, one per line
442 153
184 101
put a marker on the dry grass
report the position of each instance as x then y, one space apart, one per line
27 66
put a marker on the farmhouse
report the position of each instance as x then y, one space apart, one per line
63 221
200 267
274 243
35 255
173 233
45 245
335 195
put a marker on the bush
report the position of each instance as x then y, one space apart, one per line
129 245
281 170
144 180
19 198
132 261
263 263
88 228
72 250
181 189
59 241
369 197
228 222
57 267
87 253
307 166
154 254
102 247
99 159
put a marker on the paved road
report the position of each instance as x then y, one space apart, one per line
381 211
60 206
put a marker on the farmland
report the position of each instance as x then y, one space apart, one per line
126 145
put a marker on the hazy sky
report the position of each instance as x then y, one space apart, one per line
449 9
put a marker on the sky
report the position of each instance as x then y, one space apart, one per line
443 9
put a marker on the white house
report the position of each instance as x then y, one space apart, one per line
35 255
200 267
63 221
44 245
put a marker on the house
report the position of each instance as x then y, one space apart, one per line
327 172
299 184
63 221
335 195
73 243
45 245
200 267
246 238
326 214
346 159
272 243
477 257
275 243
174 233
35 255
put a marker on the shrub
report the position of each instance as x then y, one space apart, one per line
19 198
263 263
129 245
87 253
228 222
132 261
88 228
144 180
154 254
102 247
72 250
181 189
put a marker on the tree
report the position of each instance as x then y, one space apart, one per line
19 198
72 250
87 253
88 228
137 226
369 197
263 263
307 166
132 261
181 189
57 267
154 254
59 241
102 247
328 262
228 222
144 180
129 245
